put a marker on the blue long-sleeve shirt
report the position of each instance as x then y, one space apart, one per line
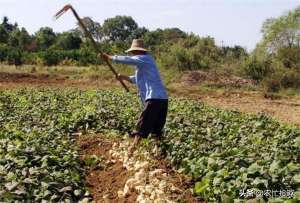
146 77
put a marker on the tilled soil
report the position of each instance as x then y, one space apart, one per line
105 183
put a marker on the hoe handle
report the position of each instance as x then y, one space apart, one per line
88 34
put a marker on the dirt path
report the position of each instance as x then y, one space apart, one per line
132 179
285 110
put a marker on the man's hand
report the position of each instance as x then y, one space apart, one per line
105 56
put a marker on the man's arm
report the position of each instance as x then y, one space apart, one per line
130 79
129 60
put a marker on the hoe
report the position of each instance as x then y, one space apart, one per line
88 35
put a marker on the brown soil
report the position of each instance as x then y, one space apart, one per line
31 80
111 179
287 111
180 181
107 181
215 79
283 109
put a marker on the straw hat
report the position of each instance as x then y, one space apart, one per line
137 45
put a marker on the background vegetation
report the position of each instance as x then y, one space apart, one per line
274 63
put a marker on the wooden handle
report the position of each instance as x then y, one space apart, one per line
88 34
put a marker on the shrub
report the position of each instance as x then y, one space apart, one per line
3 52
290 79
271 84
281 78
290 57
257 69
29 58
14 57
87 57
192 54
49 57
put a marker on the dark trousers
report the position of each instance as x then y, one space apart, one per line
153 118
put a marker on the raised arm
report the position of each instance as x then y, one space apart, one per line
129 60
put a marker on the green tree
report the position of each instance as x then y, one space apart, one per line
164 35
45 37
68 41
92 26
19 38
3 52
236 52
3 35
281 38
119 28
283 31
5 29
14 56
8 26
138 33
192 53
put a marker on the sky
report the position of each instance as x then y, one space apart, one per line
229 22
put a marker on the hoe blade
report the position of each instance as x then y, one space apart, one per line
62 11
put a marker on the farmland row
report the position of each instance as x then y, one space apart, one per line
225 152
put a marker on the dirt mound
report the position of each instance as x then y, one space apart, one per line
215 79
104 182
107 183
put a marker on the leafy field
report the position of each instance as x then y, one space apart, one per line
225 152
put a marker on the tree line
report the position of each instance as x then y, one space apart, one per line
275 60
46 47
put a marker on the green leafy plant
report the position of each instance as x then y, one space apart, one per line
223 151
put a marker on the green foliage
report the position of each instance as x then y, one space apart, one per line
224 151
93 27
50 57
14 56
172 47
93 161
19 38
272 84
192 53
282 78
159 40
68 41
282 31
291 79
3 52
38 161
3 35
290 57
281 38
45 37
257 68
7 25
233 54
119 28
138 33
86 57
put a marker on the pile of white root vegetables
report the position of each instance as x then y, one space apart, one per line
151 184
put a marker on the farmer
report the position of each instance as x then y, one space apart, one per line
152 92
